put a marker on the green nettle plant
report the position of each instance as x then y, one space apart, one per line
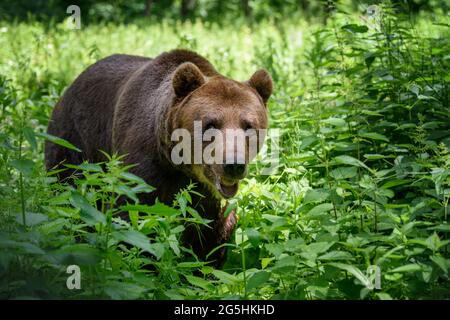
358 207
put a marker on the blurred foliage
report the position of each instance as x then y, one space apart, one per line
206 10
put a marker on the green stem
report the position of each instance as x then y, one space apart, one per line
244 269
375 211
22 199
22 194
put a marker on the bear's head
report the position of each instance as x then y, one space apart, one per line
219 124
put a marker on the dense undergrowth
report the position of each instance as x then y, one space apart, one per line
363 183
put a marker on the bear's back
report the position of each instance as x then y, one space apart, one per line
91 99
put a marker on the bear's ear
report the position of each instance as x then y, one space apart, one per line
186 78
261 81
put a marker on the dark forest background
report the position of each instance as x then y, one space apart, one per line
206 10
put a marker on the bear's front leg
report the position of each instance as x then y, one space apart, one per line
228 224
224 229
205 239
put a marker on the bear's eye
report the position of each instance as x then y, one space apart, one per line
247 126
209 125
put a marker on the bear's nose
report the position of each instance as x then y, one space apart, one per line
234 170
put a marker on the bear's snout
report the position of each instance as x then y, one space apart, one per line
235 170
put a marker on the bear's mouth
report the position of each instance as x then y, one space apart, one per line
227 188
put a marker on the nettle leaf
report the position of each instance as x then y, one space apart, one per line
182 203
26 247
433 242
395 183
134 218
190 265
384 296
367 182
385 193
131 177
321 208
344 173
294 245
382 173
338 122
230 207
119 290
369 58
319 247
32 219
442 227
29 135
412 267
439 176
277 221
389 254
139 240
25 166
125 190
424 97
177 229
308 141
354 271
158 209
253 236
414 88
80 254
157 249
371 113
441 262
265 262
53 226
199 282
285 265
336 255
275 249
173 243
88 213
349 160
86 166
314 196
197 216
372 156
59 141
225 277
355 28
373 136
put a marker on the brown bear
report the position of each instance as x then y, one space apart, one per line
131 105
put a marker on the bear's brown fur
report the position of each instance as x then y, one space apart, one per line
130 105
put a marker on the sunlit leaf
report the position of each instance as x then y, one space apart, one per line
58 141
257 280
88 213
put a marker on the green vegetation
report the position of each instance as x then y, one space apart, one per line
364 175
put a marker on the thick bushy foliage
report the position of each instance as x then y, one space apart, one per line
357 208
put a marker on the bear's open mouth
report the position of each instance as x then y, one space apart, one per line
227 188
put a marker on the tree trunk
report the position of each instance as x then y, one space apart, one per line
186 7
304 5
148 7
246 7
